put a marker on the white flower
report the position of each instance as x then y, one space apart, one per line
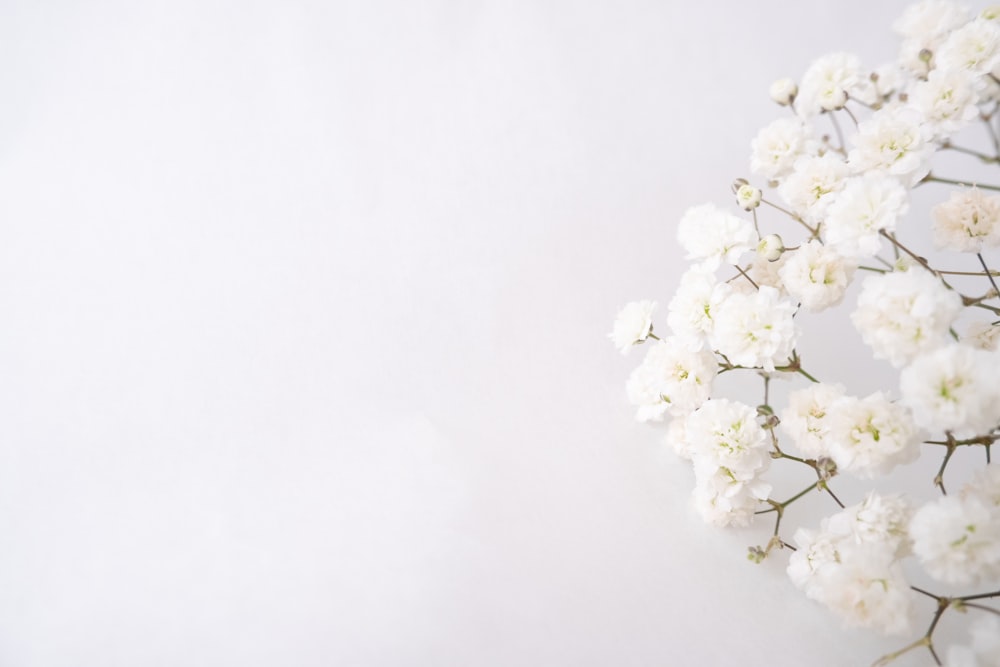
755 329
896 141
633 325
721 500
870 436
725 434
851 565
729 450
693 308
672 378
982 335
880 520
923 26
867 205
778 145
783 91
748 197
931 18
829 81
813 184
868 589
817 275
975 46
967 221
712 235
947 99
904 313
770 247
953 389
888 79
957 540
676 438
816 555
805 419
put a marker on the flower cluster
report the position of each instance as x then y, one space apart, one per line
852 564
840 172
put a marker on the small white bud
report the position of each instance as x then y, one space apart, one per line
836 100
783 91
770 247
748 197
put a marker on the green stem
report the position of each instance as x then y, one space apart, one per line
989 274
950 181
968 151
802 371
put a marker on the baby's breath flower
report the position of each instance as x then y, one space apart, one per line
633 325
748 197
783 91
770 247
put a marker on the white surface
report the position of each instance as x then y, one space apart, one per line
303 361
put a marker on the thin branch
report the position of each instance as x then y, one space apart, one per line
950 181
989 274
968 151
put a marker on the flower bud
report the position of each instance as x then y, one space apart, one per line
825 468
836 100
748 197
783 91
770 247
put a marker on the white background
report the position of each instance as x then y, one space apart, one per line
303 354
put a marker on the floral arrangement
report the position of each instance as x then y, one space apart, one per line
845 193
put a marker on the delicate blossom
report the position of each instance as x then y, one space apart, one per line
694 306
830 81
756 329
672 378
777 146
713 235
923 26
894 141
870 436
878 519
813 185
975 47
868 205
783 91
805 419
967 221
817 275
770 247
947 100
957 538
983 335
851 565
953 388
904 313
633 325
729 450
676 438
748 197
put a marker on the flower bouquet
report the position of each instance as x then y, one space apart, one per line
839 172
